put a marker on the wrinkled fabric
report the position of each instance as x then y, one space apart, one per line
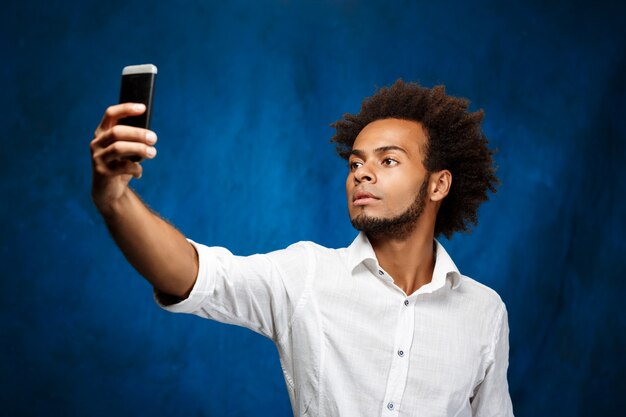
352 343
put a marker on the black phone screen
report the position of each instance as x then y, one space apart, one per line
138 88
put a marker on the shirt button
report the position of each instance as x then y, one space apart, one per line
380 272
390 406
401 353
406 302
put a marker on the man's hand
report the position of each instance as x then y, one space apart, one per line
155 248
112 148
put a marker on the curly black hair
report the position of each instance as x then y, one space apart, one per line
456 142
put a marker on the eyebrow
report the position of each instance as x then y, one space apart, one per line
380 150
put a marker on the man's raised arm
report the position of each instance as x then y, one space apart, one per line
155 248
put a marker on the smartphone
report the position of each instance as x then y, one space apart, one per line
138 87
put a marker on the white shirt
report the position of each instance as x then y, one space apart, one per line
352 343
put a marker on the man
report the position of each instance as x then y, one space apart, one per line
387 326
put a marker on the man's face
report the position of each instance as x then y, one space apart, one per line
387 183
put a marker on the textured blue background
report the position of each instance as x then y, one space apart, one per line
245 94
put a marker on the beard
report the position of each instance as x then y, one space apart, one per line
398 227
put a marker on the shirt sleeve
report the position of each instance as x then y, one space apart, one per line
492 397
259 292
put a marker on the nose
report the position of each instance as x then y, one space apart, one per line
364 174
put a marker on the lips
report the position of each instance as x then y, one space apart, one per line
361 198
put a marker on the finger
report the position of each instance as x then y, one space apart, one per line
125 150
125 167
114 113
122 133
117 168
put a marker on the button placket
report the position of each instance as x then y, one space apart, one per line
396 383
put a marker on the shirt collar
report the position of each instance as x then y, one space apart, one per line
445 268
361 251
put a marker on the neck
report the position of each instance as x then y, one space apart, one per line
409 259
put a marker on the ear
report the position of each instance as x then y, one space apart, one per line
440 183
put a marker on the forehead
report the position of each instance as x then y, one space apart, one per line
406 134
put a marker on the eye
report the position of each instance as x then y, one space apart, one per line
390 162
354 165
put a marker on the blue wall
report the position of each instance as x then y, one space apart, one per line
245 94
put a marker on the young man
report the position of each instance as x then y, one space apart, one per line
387 326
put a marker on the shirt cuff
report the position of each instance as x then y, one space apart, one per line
200 288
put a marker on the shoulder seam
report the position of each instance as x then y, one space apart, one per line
303 297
